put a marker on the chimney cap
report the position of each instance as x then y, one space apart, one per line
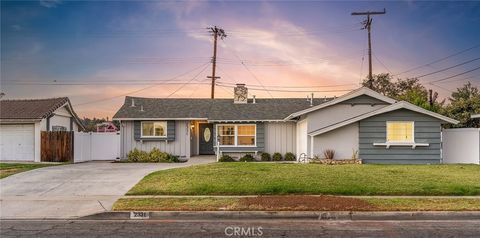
240 84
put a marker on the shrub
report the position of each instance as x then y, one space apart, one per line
277 156
247 158
289 156
329 154
154 156
137 155
266 156
226 158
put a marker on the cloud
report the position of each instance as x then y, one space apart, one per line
50 3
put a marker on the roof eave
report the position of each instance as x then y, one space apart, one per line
347 96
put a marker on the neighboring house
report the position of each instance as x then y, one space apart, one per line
362 123
107 126
21 123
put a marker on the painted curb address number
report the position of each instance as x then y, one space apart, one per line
139 215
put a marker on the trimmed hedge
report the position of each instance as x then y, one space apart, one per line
266 156
277 156
226 158
289 156
154 156
247 158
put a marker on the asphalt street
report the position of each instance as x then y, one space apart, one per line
237 228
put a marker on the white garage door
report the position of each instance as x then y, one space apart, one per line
17 142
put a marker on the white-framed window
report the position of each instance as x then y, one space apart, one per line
241 135
401 131
154 129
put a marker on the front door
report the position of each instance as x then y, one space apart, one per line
206 139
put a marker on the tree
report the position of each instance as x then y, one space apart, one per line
465 102
410 90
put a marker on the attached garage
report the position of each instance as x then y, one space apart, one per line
17 142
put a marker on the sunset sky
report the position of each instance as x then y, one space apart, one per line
97 52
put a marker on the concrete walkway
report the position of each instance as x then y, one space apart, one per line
74 190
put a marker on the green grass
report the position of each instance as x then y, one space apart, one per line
7 169
272 179
235 204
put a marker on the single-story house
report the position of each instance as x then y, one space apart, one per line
21 123
361 123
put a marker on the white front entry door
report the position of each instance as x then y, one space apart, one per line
302 136
17 142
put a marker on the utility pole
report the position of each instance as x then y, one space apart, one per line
368 25
216 32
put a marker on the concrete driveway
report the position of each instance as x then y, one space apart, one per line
75 190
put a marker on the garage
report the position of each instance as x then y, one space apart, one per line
17 142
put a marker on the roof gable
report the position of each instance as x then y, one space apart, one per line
35 109
393 107
363 93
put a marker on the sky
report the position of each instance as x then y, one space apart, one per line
97 52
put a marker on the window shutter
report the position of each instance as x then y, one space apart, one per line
170 130
136 130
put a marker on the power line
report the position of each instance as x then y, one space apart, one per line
375 55
445 69
139 90
449 81
453 76
96 83
312 86
194 77
439 60
291 91
245 66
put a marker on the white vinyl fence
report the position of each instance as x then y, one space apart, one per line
96 146
461 145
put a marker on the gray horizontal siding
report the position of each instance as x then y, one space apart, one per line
260 143
373 130
401 161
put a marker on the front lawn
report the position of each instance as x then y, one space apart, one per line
264 179
7 169
297 203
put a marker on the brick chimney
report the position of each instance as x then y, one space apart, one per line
240 93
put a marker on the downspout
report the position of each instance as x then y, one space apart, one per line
311 146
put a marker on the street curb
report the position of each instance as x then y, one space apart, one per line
299 215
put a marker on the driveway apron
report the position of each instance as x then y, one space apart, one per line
74 190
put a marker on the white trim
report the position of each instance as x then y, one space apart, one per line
393 107
166 129
413 132
157 119
235 135
475 116
412 144
259 120
350 95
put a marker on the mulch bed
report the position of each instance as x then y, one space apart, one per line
306 203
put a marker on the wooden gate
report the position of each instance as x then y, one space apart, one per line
57 146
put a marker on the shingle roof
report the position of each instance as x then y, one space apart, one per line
30 108
212 109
